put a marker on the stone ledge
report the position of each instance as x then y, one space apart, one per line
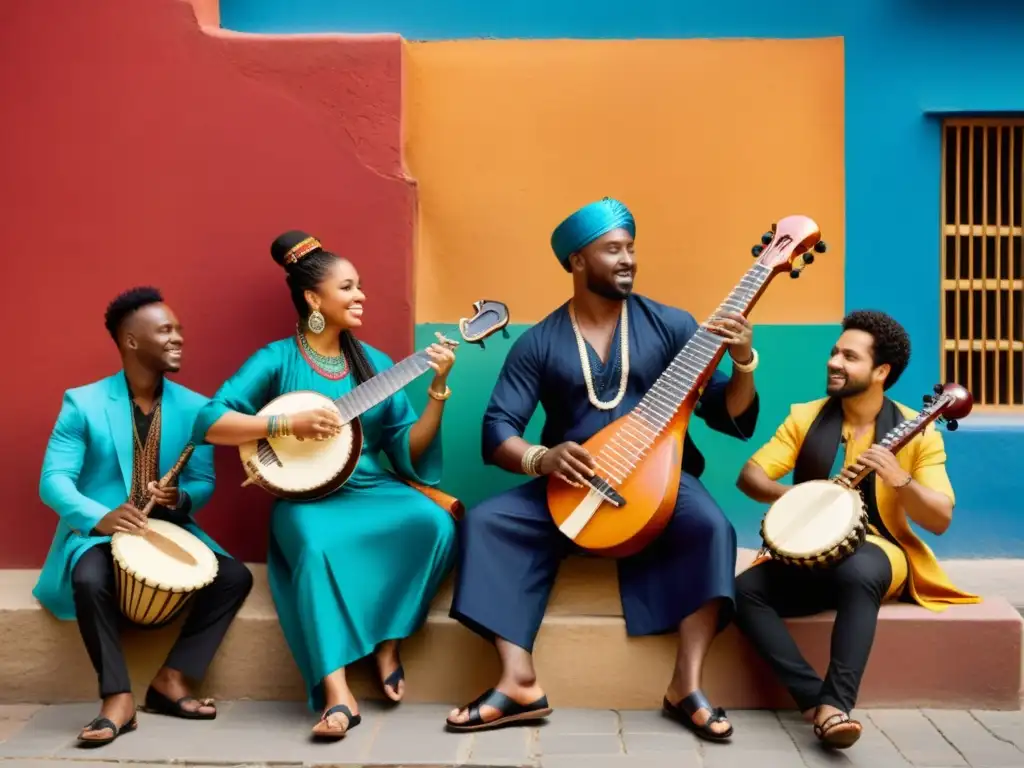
584 660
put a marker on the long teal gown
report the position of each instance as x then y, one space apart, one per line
360 566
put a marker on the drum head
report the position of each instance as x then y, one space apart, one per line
158 564
811 518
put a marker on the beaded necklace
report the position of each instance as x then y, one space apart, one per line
585 360
145 458
332 367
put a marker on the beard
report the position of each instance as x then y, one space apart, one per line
845 389
608 290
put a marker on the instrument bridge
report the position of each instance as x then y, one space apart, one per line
604 488
266 453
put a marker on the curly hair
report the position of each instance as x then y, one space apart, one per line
891 343
126 303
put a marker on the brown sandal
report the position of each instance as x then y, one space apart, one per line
841 739
323 729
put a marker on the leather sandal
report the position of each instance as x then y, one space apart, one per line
103 722
158 704
683 713
509 711
392 681
841 739
331 733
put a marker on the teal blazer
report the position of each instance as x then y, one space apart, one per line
87 471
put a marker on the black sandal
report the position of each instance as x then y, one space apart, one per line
103 722
510 712
842 739
353 721
392 681
683 713
158 704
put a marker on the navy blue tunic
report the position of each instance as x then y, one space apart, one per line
509 546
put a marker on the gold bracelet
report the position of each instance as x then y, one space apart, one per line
747 367
531 459
441 397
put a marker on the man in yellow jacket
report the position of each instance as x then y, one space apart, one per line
893 564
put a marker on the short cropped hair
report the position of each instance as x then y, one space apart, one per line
128 302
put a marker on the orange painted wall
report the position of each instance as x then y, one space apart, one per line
707 141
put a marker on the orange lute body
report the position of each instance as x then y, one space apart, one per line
639 456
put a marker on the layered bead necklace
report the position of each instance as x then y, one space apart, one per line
329 366
588 377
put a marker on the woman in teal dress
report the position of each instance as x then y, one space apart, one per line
352 573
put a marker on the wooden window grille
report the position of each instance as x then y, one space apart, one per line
982 272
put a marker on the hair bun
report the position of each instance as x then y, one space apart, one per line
288 248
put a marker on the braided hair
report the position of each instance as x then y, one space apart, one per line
307 274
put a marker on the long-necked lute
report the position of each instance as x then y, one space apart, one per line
295 469
630 498
820 523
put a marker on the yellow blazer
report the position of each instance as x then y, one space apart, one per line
924 458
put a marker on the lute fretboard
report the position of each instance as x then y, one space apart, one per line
382 386
902 433
688 371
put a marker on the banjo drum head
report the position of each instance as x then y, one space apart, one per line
307 464
812 518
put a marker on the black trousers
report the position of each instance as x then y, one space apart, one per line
769 592
210 614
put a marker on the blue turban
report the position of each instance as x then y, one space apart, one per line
587 224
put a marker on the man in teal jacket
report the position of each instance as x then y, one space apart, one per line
113 440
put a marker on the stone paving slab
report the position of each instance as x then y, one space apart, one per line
259 734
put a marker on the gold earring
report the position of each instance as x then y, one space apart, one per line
315 322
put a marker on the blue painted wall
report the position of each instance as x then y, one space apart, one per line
907 63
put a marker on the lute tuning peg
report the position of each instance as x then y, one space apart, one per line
808 258
952 425
767 237
756 250
820 246
504 332
937 389
794 273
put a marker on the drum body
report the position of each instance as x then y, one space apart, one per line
295 469
153 585
816 524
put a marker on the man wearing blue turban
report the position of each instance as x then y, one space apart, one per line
588 363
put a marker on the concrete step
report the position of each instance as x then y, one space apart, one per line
967 657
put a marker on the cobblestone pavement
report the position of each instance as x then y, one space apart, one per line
249 733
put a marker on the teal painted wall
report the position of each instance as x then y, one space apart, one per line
783 377
791 370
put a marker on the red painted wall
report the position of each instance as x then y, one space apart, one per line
137 149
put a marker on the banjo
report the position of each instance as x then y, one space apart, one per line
819 523
294 469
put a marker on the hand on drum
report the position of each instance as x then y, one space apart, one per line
569 462
165 497
125 519
318 424
882 461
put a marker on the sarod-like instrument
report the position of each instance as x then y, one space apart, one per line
639 456
295 469
819 523
157 571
